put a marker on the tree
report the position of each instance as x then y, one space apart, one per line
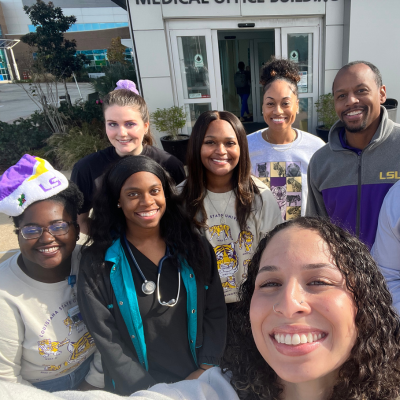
55 54
116 52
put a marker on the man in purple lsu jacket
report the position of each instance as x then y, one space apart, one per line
349 177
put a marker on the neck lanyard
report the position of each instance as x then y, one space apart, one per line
148 287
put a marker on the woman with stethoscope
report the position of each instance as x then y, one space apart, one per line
149 287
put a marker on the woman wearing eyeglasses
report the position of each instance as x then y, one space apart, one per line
149 288
43 340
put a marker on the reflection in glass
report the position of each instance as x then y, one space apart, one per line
193 112
304 118
300 52
194 66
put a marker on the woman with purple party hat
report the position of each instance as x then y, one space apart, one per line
43 339
128 129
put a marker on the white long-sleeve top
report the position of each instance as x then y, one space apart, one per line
38 340
386 249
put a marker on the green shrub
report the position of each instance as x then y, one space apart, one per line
21 137
77 143
169 120
82 112
114 73
326 110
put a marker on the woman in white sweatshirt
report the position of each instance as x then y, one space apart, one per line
43 340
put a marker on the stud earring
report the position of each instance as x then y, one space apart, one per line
118 205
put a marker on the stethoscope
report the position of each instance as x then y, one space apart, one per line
148 287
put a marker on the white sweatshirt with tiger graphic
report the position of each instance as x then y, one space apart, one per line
234 247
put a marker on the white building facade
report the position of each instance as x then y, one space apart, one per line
188 50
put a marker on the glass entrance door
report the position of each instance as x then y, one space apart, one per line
301 45
194 72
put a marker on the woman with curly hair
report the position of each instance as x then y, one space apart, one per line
280 154
149 289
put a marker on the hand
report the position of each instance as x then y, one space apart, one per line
196 374
84 387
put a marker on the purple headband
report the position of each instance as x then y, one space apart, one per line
127 84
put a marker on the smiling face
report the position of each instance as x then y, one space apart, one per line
47 251
125 129
312 330
142 200
220 151
358 98
280 106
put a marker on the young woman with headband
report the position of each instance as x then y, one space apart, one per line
149 289
233 210
280 154
128 130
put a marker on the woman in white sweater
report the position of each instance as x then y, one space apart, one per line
43 340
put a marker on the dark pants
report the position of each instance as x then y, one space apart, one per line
245 107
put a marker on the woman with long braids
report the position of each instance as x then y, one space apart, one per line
149 288
231 208
280 154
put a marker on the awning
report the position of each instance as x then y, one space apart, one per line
8 43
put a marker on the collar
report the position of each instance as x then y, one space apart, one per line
342 138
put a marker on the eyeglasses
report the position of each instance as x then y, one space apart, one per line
35 231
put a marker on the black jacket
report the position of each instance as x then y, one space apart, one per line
122 370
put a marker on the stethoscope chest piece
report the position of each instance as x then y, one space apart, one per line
148 287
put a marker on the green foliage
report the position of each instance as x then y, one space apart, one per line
116 52
82 112
55 54
78 143
114 73
22 136
326 110
169 120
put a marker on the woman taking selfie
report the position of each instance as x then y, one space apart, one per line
280 154
43 339
149 289
128 129
232 209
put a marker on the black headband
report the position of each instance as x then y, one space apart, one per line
128 166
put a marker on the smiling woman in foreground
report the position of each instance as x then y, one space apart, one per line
321 324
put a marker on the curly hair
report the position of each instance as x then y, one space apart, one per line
71 198
109 222
280 69
372 370
127 98
195 189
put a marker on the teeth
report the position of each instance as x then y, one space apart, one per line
220 161
278 119
148 214
354 113
49 250
124 141
296 339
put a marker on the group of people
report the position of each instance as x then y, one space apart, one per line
225 282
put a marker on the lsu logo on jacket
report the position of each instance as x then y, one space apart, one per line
389 175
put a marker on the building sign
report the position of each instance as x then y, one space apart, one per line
198 61
226 1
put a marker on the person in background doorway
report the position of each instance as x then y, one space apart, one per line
231 208
149 289
349 177
128 130
386 249
242 81
280 154
43 340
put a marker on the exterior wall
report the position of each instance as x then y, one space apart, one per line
86 11
85 41
148 18
373 35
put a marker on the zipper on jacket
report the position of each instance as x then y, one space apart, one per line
358 195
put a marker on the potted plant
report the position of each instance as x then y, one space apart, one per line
326 114
171 121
